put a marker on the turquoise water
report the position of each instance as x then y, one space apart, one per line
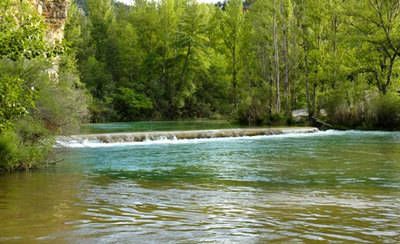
330 186
158 126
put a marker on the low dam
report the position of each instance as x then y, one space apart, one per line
179 135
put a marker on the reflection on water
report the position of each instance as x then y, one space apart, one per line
342 187
157 126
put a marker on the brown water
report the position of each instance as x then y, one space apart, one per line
334 186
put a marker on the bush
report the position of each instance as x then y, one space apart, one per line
41 107
16 97
61 104
385 112
25 146
342 112
373 111
252 108
8 150
130 104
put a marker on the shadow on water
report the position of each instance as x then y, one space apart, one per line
34 204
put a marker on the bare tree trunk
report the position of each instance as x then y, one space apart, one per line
335 29
307 84
276 57
266 77
271 87
234 78
185 65
388 75
285 52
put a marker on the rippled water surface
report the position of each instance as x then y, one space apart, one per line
336 186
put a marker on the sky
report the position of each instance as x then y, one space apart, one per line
202 1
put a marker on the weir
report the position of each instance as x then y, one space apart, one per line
180 135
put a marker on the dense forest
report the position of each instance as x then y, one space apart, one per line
254 61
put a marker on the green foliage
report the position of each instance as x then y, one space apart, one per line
39 108
252 110
375 27
386 112
21 31
167 59
255 62
8 149
130 104
25 146
61 105
15 98
35 104
345 114
366 112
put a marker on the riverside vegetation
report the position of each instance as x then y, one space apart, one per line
34 105
252 61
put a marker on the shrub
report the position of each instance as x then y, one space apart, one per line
8 150
16 97
25 146
61 104
385 112
373 111
251 111
130 104
345 113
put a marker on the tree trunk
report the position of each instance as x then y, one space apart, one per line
389 74
285 53
185 64
307 84
234 78
276 58
335 27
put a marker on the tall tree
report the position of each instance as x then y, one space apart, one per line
376 24
232 27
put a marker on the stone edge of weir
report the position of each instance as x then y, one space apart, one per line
187 134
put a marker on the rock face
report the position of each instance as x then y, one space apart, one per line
55 13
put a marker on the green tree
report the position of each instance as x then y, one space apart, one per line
232 29
21 31
375 27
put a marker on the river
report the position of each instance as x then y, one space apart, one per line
326 186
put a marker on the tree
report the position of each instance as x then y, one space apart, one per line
232 28
21 37
34 106
254 61
376 24
21 31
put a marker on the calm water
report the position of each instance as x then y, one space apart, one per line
158 126
337 186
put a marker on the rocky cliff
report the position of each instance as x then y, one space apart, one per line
55 13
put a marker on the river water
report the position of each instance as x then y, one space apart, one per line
140 126
328 186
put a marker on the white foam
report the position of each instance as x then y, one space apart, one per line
64 143
164 140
